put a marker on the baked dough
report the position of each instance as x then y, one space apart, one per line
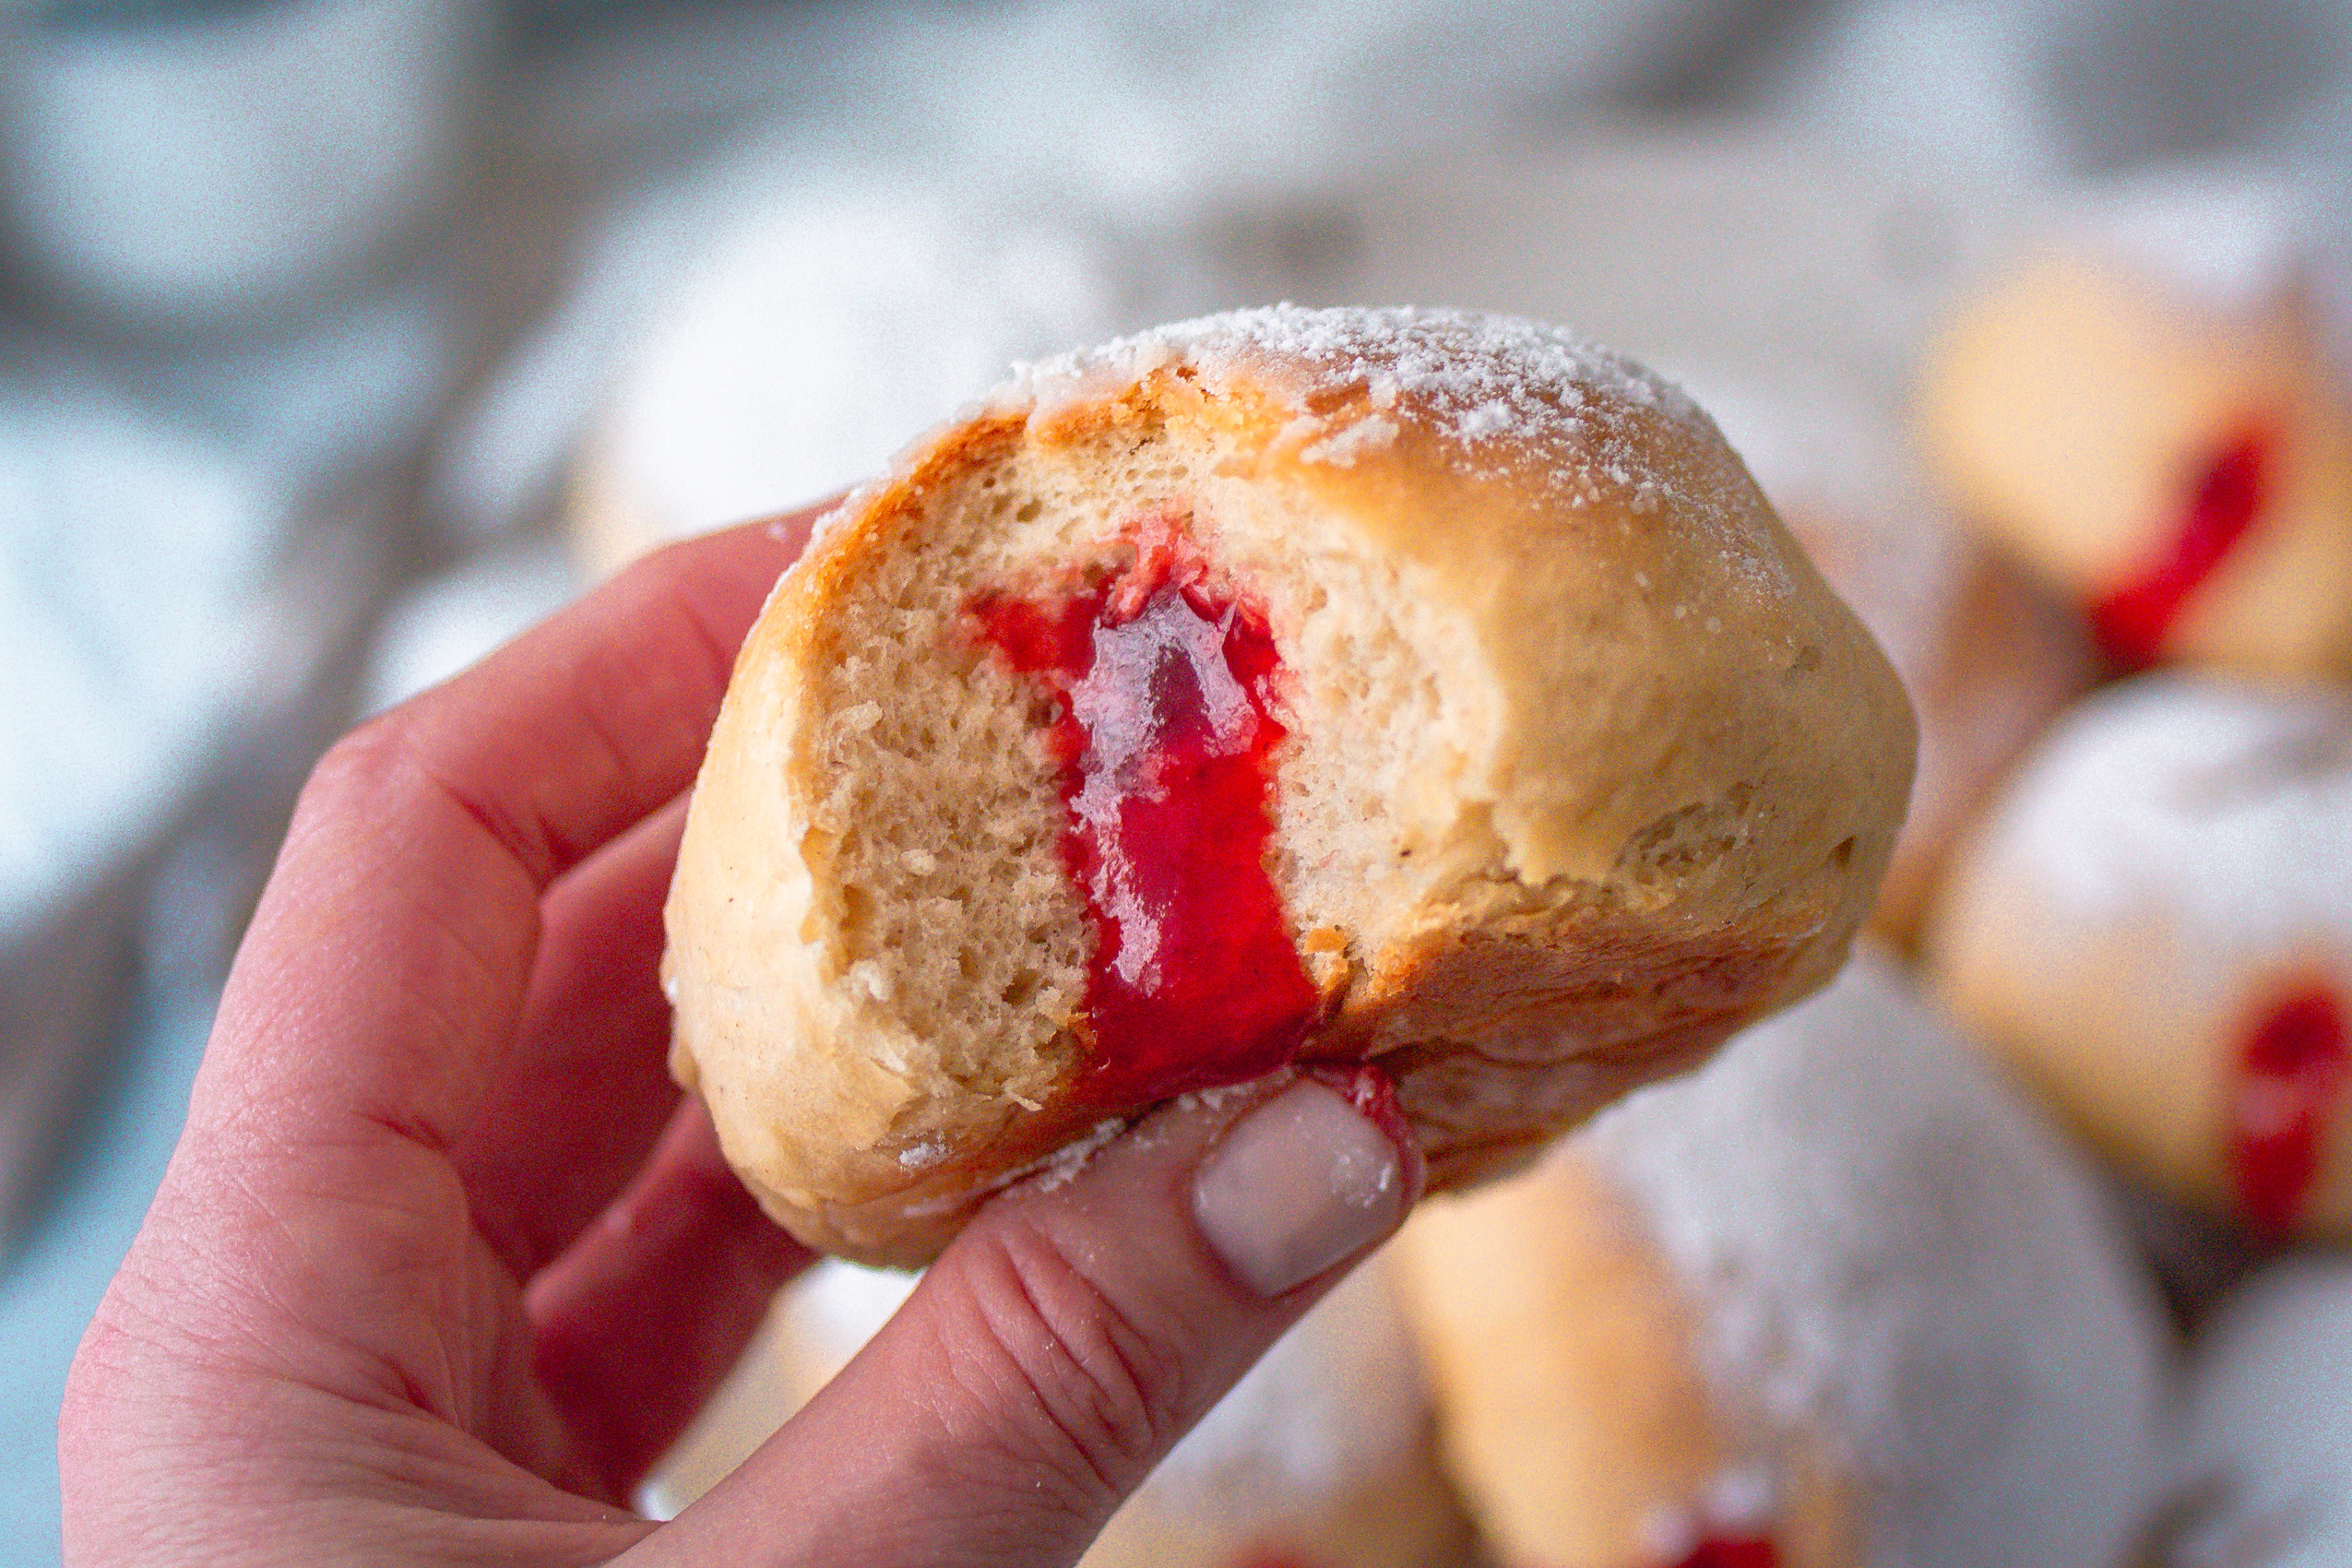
2177 463
1567 765
2264 1437
2154 927
1833 1300
1987 657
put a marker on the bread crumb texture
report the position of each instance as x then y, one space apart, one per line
1584 765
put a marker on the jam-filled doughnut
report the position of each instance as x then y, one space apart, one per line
1835 1299
2263 1441
1323 1455
2156 927
1286 688
2176 460
1988 658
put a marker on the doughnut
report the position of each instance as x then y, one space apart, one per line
2265 1438
2172 459
1323 1455
1987 657
2154 928
1287 690
1835 1299
826 322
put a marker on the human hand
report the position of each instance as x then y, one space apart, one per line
443 1262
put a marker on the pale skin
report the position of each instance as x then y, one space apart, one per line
444 1262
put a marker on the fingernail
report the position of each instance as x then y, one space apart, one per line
1298 1183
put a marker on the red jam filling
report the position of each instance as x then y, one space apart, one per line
2133 622
1165 733
1743 1552
2292 1072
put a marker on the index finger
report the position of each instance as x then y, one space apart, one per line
388 961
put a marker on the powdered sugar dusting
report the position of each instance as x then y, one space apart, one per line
1735 1502
1840 472
1888 1251
2225 807
1059 1169
2227 239
1508 399
1484 379
2266 1442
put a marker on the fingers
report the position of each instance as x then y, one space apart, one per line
1069 1337
388 964
638 1322
585 1091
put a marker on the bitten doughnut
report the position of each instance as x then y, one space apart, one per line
1323 1455
2154 926
1986 658
1290 687
1835 1298
2174 460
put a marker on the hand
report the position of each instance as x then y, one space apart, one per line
443 1262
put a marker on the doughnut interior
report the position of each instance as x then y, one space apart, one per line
1496 730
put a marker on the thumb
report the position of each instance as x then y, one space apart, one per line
1070 1336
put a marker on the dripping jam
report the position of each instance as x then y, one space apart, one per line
2291 1074
2225 498
1165 731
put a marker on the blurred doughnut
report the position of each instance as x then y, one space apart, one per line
2154 927
2154 434
1835 1298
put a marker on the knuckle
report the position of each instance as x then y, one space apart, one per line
1076 1383
363 764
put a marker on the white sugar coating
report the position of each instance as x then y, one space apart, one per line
1059 1167
1499 390
1841 474
1886 1249
2263 1467
2223 808
2225 238
831 322
1487 378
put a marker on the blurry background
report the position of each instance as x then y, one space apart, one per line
338 339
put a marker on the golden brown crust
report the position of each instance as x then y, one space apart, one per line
2072 412
1654 800
1563 1351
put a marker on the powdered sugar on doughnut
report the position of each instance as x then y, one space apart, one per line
2265 1441
1841 475
2223 806
1888 1251
2227 239
1507 396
